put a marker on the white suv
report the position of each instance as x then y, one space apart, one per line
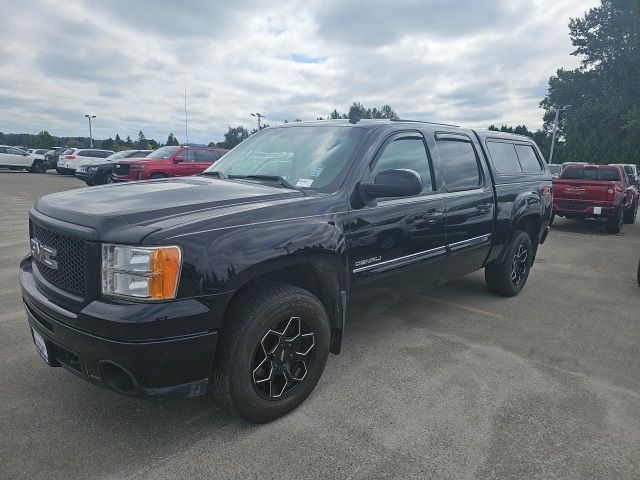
71 158
16 159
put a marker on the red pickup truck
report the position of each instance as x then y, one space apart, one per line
169 161
596 191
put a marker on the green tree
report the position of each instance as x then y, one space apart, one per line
172 140
234 136
142 141
602 124
45 140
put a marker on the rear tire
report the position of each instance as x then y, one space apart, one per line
631 214
614 223
254 374
155 176
509 277
106 178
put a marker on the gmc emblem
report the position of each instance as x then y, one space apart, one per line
44 254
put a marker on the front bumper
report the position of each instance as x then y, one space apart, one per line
172 366
85 176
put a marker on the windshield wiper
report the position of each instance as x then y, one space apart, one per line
216 173
269 178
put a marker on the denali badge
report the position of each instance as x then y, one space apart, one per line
44 254
368 261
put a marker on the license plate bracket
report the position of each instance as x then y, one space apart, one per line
41 345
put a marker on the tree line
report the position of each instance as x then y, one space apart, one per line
45 140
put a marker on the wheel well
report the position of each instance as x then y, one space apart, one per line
158 175
531 225
305 276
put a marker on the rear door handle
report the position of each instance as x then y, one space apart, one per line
433 215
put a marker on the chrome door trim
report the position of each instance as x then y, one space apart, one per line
470 242
402 261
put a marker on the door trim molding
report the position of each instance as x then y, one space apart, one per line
401 261
470 242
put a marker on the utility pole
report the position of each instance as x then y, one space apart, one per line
90 133
258 116
555 129
186 123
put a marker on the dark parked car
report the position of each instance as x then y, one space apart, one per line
99 172
170 161
52 156
240 279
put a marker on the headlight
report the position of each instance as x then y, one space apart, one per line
136 165
149 273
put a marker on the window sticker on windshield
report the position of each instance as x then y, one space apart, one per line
316 172
304 183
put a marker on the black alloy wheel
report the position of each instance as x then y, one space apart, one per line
519 265
281 360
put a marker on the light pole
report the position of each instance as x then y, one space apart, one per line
258 116
555 129
90 134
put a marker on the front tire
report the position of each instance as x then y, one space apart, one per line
271 353
509 277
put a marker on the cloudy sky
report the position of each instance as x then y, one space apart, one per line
471 62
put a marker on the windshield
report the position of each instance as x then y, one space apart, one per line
582 173
306 157
163 152
116 156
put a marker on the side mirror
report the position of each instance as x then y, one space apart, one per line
178 160
392 183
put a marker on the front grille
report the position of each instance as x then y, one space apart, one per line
122 168
71 258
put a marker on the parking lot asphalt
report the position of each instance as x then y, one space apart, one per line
450 383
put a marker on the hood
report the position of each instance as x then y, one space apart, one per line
142 159
93 161
127 212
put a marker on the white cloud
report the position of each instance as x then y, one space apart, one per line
458 61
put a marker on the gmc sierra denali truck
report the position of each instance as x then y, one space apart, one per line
238 281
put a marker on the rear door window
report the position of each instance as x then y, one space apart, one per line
459 165
188 155
504 158
204 156
528 159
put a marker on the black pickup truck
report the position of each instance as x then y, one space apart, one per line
238 280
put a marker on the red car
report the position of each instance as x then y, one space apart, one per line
596 191
170 161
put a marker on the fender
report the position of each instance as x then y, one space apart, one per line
526 205
309 252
